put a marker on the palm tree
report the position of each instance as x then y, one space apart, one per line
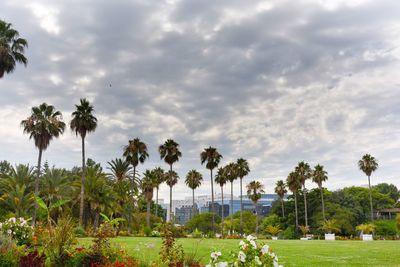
83 122
120 169
319 175
280 190
55 186
16 189
147 186
135 152
169 151
12 48
231 174
159 178
44 123
303 170
193 180
171 180
294 185
212 157
254 191
221 179
369 164
242 169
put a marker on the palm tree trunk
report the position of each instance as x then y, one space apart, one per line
212 203
170 198
37 187
132 206
231 213
283 208
255 209
322 202
148 214
193 210
1 72
96 219
370 198
82 184
241 207
157 201
295 208
222 215
305 204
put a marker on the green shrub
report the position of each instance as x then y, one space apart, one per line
385 228
147 231
288 233
80 232
197 233
9 254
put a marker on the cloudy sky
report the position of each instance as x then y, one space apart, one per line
275 82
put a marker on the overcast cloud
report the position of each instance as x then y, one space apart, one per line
275 82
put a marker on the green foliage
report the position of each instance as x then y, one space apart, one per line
288 233
330 226
386 228
9 253
202 222
18 229
398 221
273 230
367 228
197 233
305 229
171 254
147 231
272 219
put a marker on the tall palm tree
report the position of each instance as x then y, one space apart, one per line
147 186
193 180
169 151
319 175
55 185
294 185
231 174
44 124
171 180
212 157
12 48
280 190
303 170
135 152
254 191
120 169
368 164
242 169
221 179
159 178
83 122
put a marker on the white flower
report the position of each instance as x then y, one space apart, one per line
12 219
250 237
242 256
257 259
276 264
241 243
9 231
208 265
265 249
253 243
222 264
215 255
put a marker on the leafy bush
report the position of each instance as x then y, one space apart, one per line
385 228
80 232
18 229
9 254
197 233
330 226
250 254
32 259
273 230
171 254
147 231
398 221
367 228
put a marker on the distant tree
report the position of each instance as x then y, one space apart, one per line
212 157
368 164
83 122
231 172
119 168
12 48
202 222
280 190
193 181
221 179
159 178
171 179
294 185
169 151
147 185
5 168
319 175
303 171
44 123
388 189
242 169
254 191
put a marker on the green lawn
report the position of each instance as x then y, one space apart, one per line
290 252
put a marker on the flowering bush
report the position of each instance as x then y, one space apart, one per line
250 254
18 229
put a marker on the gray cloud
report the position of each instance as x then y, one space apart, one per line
275 82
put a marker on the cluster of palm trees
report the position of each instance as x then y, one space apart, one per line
296 179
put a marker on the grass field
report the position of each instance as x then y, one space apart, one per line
290 252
